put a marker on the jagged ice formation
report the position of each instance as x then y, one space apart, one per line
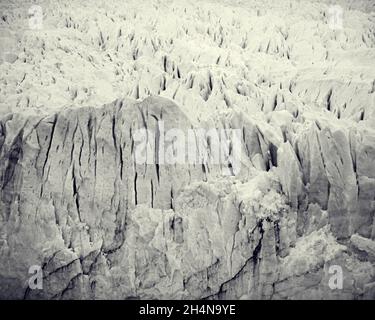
74 201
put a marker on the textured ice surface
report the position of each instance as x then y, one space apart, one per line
73 200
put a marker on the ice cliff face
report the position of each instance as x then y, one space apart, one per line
74 201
